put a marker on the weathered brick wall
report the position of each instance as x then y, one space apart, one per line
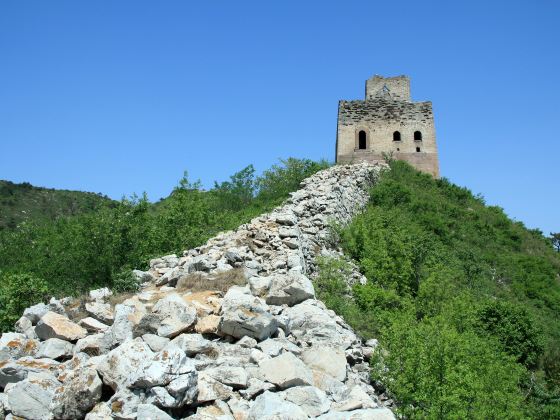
399 87
379 118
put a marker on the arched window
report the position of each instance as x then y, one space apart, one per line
362 139
397 136
417 149
417 135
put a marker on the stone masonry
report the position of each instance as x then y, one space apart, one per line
367 129
263 349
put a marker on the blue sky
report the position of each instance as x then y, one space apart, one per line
122 96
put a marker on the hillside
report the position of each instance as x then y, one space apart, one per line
460 305
229 329
25 202
71 255
464 301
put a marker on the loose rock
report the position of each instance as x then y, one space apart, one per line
286 371
53 325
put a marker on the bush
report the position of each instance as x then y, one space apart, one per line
514 328
124 281
18 292
436 372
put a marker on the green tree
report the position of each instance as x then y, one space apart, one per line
514 328
555 238
436 372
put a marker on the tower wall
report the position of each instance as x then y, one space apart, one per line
379 118
399 87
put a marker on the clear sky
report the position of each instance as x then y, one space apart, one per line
122 96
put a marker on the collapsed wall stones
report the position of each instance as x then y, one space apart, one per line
264 349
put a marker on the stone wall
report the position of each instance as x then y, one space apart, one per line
265 348
399 87
379 117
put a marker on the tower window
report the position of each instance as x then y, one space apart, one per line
417 135
417 149
362 140
397 136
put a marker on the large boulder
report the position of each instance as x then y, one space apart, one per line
274 346
289 289
79 393
16 345
311 400
92 325
164 367
53 325
285 371
100 311
121 363
352 399
25 326
93 345
126 317
193 344
270 406
209 389
176 315
310 322
184 388
16 370
32 397
244 314
35 313
101 411
329 360
234 376
124 404
55 348
159 396
208 324
155 342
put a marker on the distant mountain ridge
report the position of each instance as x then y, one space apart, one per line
25 202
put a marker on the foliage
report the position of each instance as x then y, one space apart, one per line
98 248
555 239
465 301
277 182
124 281
17 292
514 327
437 372
23 202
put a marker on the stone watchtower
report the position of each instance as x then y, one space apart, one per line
387 121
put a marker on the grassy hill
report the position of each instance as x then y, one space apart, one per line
24 202
70 255
465 302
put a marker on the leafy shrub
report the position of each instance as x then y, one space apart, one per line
17 292
125 281
277 182
436 372
514 328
